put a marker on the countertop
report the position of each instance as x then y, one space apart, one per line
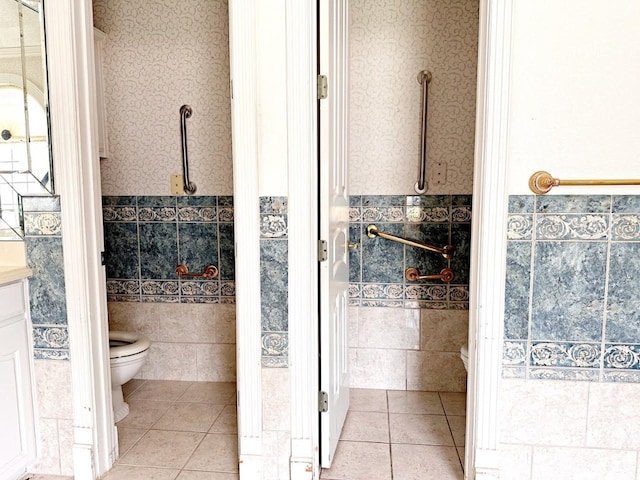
12 273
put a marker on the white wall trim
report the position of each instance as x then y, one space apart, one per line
244 118
302 142
69 28
488 240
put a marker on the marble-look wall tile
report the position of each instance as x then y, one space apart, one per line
623 315
518 281
216 362
581 463
121 250
436 371
613 416
515 462
389 328
275 399
46 286
274 285
443 330
573 204
377 368
170 361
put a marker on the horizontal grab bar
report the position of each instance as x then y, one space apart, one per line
210 271
412 274
447 251
541 182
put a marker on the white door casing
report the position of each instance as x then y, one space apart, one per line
334 223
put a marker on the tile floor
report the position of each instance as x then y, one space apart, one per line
400 435
178 431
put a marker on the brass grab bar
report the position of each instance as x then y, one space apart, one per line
424 77
447 251
412 274
210 271
185 112
541 182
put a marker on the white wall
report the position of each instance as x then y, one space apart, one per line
575 108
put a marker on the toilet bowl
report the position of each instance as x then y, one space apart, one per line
127 352
464 355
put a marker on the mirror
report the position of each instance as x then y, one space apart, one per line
25 154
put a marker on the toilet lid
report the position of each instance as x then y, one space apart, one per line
126 344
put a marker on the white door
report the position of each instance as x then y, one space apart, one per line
334 223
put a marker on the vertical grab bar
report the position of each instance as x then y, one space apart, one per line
424 77
185 112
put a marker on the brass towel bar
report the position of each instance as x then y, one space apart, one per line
412 274
541 182
447 251
210 271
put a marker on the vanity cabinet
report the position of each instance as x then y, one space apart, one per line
17 416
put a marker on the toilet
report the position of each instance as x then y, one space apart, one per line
464 355
127 352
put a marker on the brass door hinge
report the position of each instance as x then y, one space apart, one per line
323 87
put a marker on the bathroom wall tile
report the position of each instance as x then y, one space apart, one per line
225 214
42 224
382 260
157 214
459 293
622 356
461 214
564 374
116 213
520 227
560 354
46 285
48 448
228 291
216 363
581 463
275 344
514 372
623 317
377 368
277 205
41 203
436 371
355 200
574 226
573 204
53 389
276 406
436 214
196 201
515 461
51 354
382 214
443 330
521 203
157 201
625 227
226 262
170 361
429 305
518 280
626 204
121 250
156 299
159 287
198 245
514 353
383 200
209 288
225 201
354 214
461 200
51 337
426 292
393 291
389 328
274 362
273 226
382 303
557 417
461 240
158 250
568 291
65 442
274 285
197 214
355 260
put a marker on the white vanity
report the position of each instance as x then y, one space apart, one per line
17 415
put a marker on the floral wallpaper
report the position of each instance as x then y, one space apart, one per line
391 41
159 56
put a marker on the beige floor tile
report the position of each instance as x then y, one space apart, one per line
189 417
359 461
166 390
127 437
221 393
367 400
143 413
191 475
122 472
461 456
457 425
159 448
366 427
425 462
131 386
401 401
419 429
454 403
216 453
227 421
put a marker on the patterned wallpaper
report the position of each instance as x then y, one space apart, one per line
391 41
571 307
158 56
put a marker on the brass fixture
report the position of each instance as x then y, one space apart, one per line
412 274
210 271
352 246
447 251
542 182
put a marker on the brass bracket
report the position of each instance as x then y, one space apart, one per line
412 274
210 271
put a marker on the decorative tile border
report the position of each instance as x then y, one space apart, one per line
572 261
376 269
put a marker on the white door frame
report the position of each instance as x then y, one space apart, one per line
72 99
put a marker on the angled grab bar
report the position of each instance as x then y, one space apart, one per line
424 77
447 251
185 112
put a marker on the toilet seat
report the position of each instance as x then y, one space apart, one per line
126 344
